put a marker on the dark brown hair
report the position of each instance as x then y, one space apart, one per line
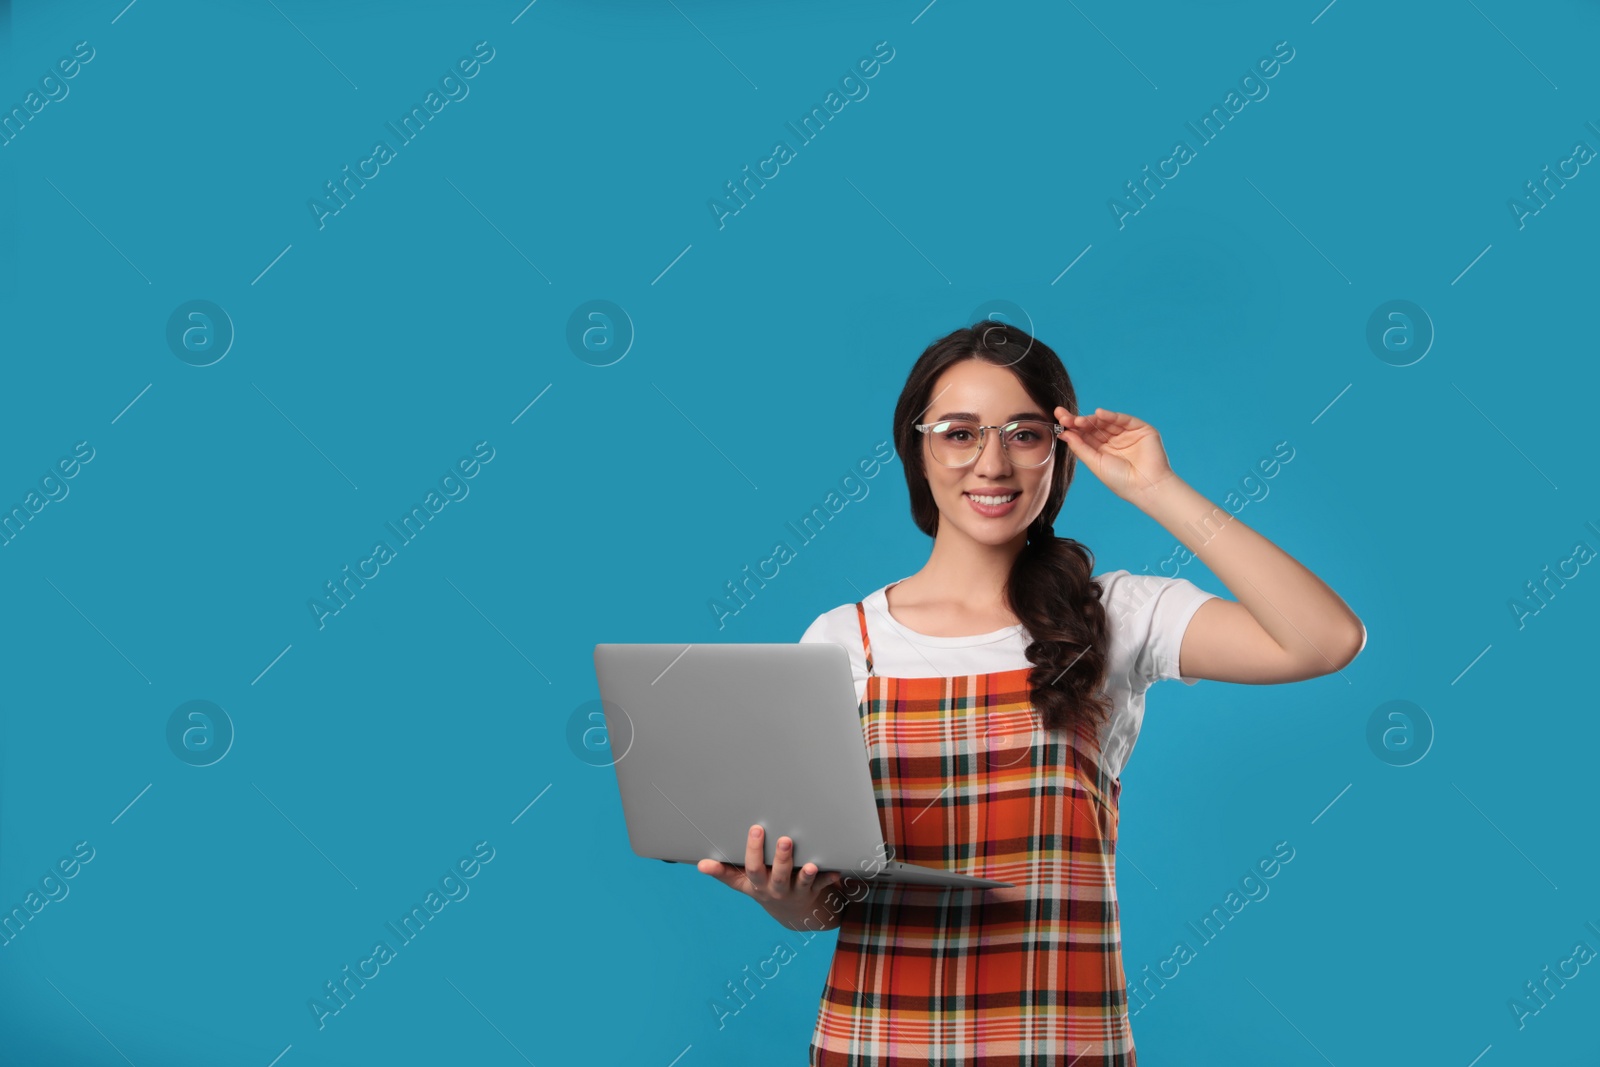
1050 588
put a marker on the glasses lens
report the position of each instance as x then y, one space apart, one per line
1029 443
954 444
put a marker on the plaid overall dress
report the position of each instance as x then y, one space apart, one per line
967 779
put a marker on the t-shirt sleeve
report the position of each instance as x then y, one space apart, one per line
1160 610
841 627
816 631
828 627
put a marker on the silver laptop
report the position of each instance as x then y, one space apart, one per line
708 740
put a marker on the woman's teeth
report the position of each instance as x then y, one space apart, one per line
994 501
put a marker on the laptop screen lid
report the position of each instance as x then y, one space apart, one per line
711 739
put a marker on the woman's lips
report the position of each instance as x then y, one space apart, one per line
993 512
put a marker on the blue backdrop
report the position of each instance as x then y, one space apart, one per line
532 296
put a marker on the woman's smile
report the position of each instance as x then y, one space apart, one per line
993 504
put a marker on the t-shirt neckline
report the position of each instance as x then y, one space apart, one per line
916 637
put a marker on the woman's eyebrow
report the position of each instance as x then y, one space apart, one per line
973 416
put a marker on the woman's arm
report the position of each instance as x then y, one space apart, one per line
1286 625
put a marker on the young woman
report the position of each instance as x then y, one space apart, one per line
1002 689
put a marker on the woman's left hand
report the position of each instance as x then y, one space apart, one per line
1123 452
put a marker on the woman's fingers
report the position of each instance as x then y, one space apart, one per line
782 868
782 881
1075 423
721 871
1097 417
1096 428
732 877
755 859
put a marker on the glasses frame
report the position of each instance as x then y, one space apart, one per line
983 440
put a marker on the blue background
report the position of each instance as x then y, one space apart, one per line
764 356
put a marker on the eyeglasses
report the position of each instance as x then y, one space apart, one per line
1026 443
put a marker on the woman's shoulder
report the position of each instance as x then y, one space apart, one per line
1148 614
1118 589
835 624
841 626
1125 593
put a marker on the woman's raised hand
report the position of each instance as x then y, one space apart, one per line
1123 451
788 895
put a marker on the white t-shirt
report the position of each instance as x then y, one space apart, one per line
1147 615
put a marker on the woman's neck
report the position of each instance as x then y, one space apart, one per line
960 590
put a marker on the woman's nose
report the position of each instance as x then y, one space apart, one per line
994 456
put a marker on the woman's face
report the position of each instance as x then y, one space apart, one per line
991 396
